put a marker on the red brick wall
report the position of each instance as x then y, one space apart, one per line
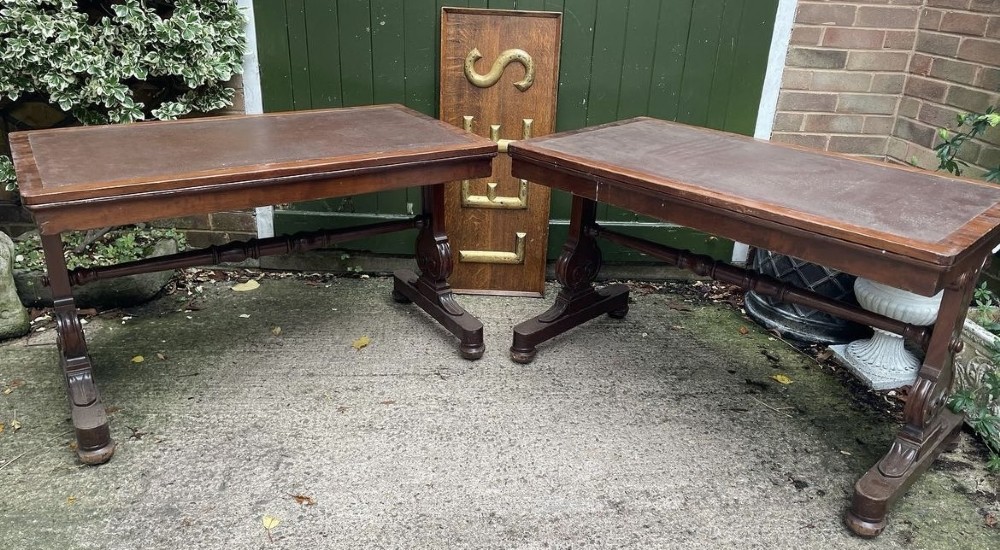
878 77
218 228
954 69
844 74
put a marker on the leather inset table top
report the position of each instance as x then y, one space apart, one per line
871 203
94 162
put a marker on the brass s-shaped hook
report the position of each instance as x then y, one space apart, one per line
499 65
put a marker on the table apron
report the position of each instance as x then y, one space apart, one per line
55 218
879 265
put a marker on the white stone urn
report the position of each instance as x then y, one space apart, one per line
882 361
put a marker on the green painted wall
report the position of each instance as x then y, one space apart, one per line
700 62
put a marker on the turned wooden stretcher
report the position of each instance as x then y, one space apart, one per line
912 229
97 176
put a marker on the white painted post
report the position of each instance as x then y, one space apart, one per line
254 103
783 20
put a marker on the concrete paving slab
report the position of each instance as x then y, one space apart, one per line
662 430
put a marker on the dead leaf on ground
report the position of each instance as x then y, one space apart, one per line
71 500
15 425
247 286
644 288
303 499
824 355
991 519
2 427
342 409
744 331
270 522
276 331
160 356
781 379
138 359
361 342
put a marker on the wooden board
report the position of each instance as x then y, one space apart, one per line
499 76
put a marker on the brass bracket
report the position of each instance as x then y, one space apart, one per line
499 65
495 257
490 199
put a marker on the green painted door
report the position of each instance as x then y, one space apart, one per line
700 62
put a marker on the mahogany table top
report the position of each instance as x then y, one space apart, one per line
95 176
97 162
918 214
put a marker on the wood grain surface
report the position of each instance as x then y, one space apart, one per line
97 162
915 213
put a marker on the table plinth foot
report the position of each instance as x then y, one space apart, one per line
94 445
440 303
618 313
863 527
571 309
472 351
90 421
522 356
876 491
400 298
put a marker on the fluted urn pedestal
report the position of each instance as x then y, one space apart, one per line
882 361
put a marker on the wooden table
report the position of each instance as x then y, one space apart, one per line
908 228
97 176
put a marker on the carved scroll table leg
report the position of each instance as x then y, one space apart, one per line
430 290
93 437
578 301
929 427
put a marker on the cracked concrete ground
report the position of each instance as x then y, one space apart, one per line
662 430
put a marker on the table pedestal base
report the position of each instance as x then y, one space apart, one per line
440 304
571 309
578 301
876 492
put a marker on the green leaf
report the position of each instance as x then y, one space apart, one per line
53 49
7 176
993 464
962 401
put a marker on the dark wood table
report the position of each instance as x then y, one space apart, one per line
908 228
98 176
